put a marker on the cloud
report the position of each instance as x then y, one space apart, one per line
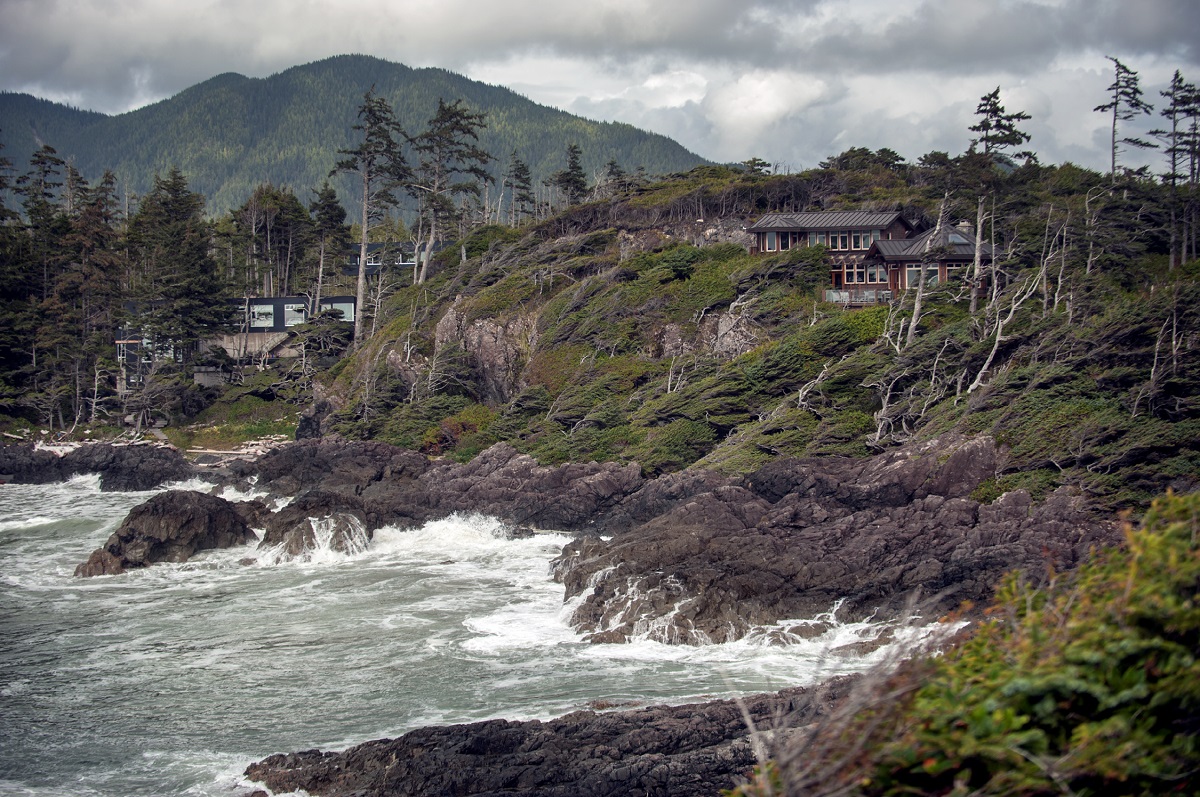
792 81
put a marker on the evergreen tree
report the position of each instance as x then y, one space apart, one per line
520 182
997 129
43 211
1182 99
1125 105
572 181
180 293
329 228
381 170
77 319
451 164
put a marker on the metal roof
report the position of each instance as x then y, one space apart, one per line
827 220
951 242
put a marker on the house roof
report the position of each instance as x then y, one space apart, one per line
828 220
952 242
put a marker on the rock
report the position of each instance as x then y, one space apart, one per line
317 520
313 419
255 512
121 468
497 350
797 537
130 468
670 751
170 527
331 464
513 487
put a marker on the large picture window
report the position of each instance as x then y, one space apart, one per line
262 316
293 314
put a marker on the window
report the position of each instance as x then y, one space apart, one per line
858 241
771 241
876 273
346 309
293 314
262 316
785 240
845 241
914 275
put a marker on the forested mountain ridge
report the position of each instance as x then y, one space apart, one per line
232 133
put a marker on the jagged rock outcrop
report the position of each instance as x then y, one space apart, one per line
121 468
170 527
512 486
316 520
498 349
384 485
667 751
332 464
800 535
697 556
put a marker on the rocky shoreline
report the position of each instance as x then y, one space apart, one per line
688 558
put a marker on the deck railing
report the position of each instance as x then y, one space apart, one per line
857 297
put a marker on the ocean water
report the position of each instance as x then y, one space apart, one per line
172 679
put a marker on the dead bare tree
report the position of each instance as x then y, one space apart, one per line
1017 296
929 248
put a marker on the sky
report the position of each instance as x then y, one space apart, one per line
788 81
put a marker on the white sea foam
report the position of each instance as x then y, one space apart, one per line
179 675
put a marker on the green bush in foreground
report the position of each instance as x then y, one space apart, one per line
1087 686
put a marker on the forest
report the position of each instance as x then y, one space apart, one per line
231 133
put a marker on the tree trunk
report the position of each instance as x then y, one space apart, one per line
977 271
360 295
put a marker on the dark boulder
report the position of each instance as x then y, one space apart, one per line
121 468
170 527
315 520
513 487
667 751
331 464
130 468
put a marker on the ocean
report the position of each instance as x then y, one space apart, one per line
172 679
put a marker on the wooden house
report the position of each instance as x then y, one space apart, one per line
871 255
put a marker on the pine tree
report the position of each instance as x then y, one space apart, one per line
451 164
1125 105
997 129
1181 99
381 170
520 182
180 293
572 181
329 227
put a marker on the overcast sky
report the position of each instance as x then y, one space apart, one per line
790 81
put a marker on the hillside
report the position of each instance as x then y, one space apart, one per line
631 331
231 133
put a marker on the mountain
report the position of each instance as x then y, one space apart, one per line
231 133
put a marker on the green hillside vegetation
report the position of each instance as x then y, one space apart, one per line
1093 384
1083 365
231 133
1086 685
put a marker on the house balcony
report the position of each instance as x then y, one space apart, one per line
858 297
